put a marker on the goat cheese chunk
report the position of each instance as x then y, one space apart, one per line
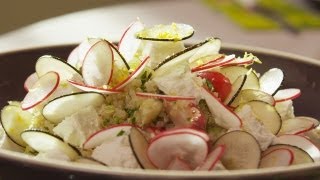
116 153
255 127
179 81
75 129
285 109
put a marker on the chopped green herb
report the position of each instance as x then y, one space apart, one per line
120 133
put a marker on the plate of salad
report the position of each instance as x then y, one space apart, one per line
153 106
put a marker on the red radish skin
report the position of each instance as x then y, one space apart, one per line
98 137
193 131
25 106
31 79
274 160
165 97
301 142
287 94
129 44
133 75
212 159
85 87
164 162
225 60
237 122
86 59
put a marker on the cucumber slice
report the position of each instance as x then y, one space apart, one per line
45 142
173 32
235 89
266 114
14 121
57 109
139 146
271 81
299 156
97 67
247 95
48 63
41 91
233 72
242 151
183 55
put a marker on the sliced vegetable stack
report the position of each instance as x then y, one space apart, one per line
152 103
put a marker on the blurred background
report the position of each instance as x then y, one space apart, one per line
285 25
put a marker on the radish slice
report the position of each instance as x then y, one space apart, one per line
235 89
296 126
233 72
97 66
191 148
45 142
301 142
172 32
133 75
73 58
164 97
56 110
213 64
106 134
212 159
83 49
129 44
41 90
277 158
248 95
179 165
30 81
242 151
223 116
47 63
299 155
271 80
87 88
139 146
315 121
287 94
240 61
197 132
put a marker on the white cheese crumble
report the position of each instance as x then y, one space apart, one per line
158 51
180 81
75 129
285 109
254 127
116 153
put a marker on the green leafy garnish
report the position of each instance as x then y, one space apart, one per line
120 133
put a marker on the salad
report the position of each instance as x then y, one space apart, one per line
152 103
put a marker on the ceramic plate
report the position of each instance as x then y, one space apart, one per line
15 66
